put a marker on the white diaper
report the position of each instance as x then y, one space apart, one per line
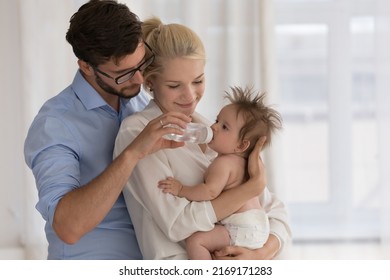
248 229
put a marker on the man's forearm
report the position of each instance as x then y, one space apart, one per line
81 210
231 200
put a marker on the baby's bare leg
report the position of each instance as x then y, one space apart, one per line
201 244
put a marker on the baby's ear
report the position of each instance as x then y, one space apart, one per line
243 146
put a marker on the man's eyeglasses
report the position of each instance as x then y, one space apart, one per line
128 75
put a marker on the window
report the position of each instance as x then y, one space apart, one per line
326 74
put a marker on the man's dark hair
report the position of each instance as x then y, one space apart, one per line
103 29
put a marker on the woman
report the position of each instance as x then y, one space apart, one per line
176 81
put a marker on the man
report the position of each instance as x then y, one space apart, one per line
70 142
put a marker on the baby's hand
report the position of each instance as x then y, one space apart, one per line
170 185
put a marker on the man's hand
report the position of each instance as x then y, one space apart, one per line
151 138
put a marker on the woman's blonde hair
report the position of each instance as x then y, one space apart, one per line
169 41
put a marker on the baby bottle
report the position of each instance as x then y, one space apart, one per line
194 133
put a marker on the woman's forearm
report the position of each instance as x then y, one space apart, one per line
270 248
231 200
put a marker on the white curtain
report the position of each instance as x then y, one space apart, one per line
231 33
36 64
48 66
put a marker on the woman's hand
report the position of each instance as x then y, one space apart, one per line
267 252
231 200
151 138
256 169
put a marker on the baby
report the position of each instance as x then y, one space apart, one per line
235 132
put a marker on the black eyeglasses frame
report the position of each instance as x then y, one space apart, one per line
128 75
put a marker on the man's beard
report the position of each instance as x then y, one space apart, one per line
107 88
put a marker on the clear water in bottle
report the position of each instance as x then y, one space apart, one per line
194 133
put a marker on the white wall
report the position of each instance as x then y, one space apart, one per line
11 124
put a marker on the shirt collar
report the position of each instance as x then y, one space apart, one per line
90 98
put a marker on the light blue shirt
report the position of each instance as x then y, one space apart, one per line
69 143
